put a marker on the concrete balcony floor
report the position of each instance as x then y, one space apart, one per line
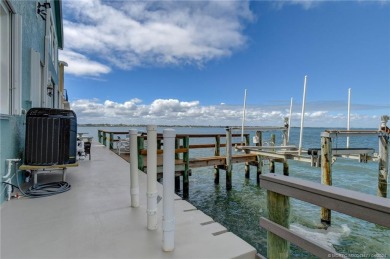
95 220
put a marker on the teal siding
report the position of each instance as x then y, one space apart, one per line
12 128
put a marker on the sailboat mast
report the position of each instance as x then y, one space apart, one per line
243 119
302 116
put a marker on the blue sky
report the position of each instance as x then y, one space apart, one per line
188 62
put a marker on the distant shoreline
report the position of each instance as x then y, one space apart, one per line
193 126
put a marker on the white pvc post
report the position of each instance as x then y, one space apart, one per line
168 190
302 116
134 185
289 122
243 119
349 114
151 192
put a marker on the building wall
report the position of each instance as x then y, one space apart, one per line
12 127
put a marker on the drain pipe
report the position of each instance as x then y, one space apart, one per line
168 190
134 189
9 163
151 192
46 75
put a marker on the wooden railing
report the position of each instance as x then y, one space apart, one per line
279 188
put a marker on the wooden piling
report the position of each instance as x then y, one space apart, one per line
217 152
259 159
104 138
111 141
177 156
140 146
326 174
271 162
285 143
278 212
186 160
247 167
100 136
383 166
228 159
285 168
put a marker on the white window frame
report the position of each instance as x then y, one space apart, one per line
53 42
11 60
5 58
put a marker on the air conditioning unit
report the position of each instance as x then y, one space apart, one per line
51 137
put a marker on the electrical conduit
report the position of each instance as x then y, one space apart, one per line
152 177
168 190
134 185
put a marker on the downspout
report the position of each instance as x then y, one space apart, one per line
46 63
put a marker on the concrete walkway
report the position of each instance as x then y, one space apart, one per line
94 220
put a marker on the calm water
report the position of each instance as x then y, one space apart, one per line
239 210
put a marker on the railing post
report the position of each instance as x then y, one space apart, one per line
104 138
326 174
217 152
278 212
134 185
285 143
111 142
383 166
228 158
271 162
100 136
177 157
247 167
140 146
186 159
168 191
259 159
152 177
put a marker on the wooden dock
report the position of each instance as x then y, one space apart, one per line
254 155
183 161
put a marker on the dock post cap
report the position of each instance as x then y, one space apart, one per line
133 131
169 133
151 127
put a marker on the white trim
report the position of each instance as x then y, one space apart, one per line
35 76
5 58
16 91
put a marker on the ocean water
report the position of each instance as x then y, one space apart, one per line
239 209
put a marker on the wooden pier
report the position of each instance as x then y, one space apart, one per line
281 187
183 161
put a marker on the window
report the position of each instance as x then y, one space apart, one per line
10 60
5 58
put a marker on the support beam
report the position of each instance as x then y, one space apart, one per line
383 166
228 159
326 174
279 212
259 139
186 160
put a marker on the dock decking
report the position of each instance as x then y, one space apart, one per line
94 220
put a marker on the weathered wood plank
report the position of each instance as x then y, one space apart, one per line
299 240
360 205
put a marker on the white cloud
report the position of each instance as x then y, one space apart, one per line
79 64
127 34
305 4
176 112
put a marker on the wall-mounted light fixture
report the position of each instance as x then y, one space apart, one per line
42 9
50 88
